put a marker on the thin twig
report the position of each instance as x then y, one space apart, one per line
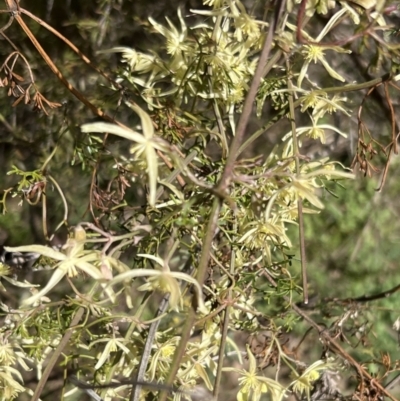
296 153
63 343
217 204
83 57
393 382
224 334
74 380
135 394
367 298
217 113
153 385
334 346
248 107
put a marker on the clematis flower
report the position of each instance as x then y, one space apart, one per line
316 53
175 40
67 263
9 385
164 280
252 386
112 345
304 382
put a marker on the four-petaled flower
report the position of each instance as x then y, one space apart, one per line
315 52
252 386
304 382
72 257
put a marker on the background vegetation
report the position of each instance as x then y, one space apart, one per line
155 183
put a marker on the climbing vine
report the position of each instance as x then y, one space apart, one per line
182 273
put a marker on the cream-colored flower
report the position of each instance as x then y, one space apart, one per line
68 261
252 386
112 345
7 354
162 357
175 45
164 280
10 388
316 53
304 383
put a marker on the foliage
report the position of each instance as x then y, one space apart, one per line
192 228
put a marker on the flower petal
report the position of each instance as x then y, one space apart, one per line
54 280
40 249
114 129
331 71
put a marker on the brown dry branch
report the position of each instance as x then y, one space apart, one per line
368 146
40 101
366 380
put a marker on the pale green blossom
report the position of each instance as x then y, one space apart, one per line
316 53
215 3
9 386
112 345
175 45
304 383
162 357
7 354
329 106
264 233
69 260
253 386
164 280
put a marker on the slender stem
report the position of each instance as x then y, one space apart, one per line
341 89
65 219
56 71
357 87
296 154
135 394
333 345
224 334
302 250
63 343
247 108
201 273
218 117
217 204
